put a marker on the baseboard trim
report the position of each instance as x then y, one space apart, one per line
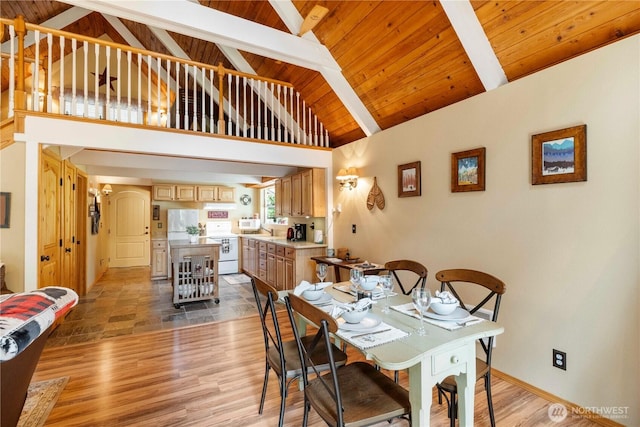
596 418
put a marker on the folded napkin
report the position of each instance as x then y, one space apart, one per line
304 285
339 307
445 297
377 293
450 325
381 334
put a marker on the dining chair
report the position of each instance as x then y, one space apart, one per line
394 267
353 395
282 356
453 280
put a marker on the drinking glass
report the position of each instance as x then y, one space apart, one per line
387 286
354 276
422 299
321 271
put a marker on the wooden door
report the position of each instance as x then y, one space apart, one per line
82 214
50 220
68 278
129 219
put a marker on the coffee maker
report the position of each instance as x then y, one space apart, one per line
299 232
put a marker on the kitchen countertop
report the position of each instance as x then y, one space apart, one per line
284 242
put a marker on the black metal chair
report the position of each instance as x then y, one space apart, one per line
354 395
449 281
407 265
282 356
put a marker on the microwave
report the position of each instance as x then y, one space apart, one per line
249 224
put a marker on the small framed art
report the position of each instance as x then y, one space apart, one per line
5 209
559 156
409 180
468 170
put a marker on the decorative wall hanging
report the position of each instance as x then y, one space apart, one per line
217 214
559 156
245 199
468 170
5 209
375 197
409 180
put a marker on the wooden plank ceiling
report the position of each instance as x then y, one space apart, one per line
403 59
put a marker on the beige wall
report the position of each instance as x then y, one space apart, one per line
12 161
568 252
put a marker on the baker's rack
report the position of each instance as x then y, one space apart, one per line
195 275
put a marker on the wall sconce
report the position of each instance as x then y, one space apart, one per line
107 189
348 178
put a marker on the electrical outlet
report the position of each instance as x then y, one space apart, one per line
353 228
560 359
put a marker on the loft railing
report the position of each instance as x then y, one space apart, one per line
57 72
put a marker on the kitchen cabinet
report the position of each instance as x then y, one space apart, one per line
302 194
159 267
185 193
195 271
215 193
271 264
163 192
262 261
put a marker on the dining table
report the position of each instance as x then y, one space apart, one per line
447 348
357 263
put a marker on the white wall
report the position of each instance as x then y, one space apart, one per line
568 252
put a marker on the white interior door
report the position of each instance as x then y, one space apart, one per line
129 228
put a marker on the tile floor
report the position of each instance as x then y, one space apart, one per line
126 301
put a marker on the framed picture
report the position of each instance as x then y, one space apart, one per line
409 180
468 170
5 209
559 156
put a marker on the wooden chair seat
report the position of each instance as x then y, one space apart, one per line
449 383
290 352
368 396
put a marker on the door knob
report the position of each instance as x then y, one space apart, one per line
44 258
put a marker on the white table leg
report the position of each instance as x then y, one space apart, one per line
466 383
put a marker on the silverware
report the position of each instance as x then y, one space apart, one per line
370 333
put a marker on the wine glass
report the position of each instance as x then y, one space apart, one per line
422 299
387 286
321 271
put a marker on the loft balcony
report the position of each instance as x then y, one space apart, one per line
58 73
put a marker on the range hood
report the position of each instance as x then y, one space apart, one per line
220 206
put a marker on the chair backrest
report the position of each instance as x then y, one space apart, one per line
327 325
453 278
269 319
407 265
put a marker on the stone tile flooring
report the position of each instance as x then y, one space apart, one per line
126 301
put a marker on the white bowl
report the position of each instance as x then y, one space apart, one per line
444 308
369 283
354 316
312 294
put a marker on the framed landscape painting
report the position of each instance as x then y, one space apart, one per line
559 156
409 180
468 170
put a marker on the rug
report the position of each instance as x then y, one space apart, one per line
235 279
41 398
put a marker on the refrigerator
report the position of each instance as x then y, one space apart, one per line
177 222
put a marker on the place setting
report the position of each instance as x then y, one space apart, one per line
373 286
441 310
315 293
362 328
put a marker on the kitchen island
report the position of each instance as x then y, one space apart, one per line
195 270
280 262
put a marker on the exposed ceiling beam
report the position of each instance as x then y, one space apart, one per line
475 42
333 74
194 20
58 22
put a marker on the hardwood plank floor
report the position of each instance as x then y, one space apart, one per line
211 375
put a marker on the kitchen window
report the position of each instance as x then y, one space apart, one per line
268 207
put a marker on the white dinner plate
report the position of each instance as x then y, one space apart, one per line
458 313
324 299
370 321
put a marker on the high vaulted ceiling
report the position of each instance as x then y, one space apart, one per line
367 65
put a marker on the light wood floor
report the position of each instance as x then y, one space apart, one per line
211 375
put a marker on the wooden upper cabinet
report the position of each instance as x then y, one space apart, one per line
313 191
163 192
278 190
226 194
185 193
286 196
296 195
207 193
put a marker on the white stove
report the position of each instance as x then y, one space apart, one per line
220 232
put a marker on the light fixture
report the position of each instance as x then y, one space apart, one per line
348 178
107 189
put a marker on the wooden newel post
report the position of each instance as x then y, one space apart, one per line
20 95
221 125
